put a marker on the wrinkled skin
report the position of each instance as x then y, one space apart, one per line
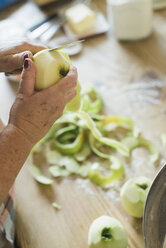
32 113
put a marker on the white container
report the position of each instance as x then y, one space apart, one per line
159 4
132 19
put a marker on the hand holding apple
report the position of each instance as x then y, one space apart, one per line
33 113
51 66
133 195
12 55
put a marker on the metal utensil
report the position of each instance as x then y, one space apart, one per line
154 220
32 28
46 30
35 31
67 45
52 30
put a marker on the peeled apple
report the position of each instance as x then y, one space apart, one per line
51 66
107 232
133 195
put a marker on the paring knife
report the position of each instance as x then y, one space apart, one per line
154 220
66 45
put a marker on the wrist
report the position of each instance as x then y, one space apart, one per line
19 136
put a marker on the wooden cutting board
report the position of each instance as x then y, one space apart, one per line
40 225
131 80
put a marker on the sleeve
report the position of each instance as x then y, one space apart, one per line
7 221
7 217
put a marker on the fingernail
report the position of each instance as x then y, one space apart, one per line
26 56
26 64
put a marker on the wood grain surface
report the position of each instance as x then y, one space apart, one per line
131 78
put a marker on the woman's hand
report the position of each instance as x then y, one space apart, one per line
33 113
12 56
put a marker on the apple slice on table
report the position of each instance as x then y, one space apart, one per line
51 66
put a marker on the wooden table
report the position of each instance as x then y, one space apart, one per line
131 77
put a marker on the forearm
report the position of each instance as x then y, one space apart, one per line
14 150
1 125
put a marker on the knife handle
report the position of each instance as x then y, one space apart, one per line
42 22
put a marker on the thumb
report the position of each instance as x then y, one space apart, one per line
27 78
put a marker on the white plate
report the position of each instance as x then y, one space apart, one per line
101 26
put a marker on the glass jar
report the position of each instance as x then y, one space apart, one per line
131 19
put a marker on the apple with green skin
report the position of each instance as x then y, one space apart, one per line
107 232
51 66
133 195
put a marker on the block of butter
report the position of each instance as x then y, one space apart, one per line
43 2
80 18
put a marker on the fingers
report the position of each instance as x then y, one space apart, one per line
20 47
64 85
70 95
27 78
58 95
12 56
70 80
15 72
14 62
58 111
34 48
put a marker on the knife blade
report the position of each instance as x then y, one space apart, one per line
154 220
66 45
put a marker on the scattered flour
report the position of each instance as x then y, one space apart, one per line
83 184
